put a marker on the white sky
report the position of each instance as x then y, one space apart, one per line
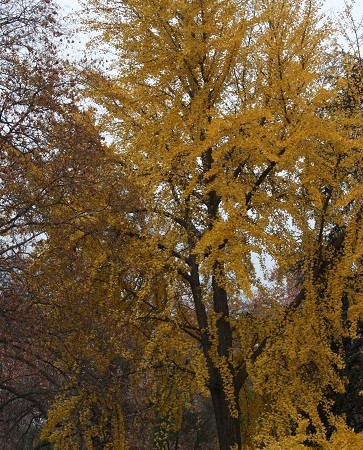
331 7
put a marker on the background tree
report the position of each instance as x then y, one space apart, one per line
52 159
30 89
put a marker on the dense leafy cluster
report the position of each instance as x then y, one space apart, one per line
181 232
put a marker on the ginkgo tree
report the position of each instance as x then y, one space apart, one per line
226 115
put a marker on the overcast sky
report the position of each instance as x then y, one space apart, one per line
331 6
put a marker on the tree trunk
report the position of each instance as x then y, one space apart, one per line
228 427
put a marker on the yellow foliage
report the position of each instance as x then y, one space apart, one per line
221 114
71 422
227 115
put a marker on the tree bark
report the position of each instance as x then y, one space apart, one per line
228 427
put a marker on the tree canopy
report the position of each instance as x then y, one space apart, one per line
186 224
